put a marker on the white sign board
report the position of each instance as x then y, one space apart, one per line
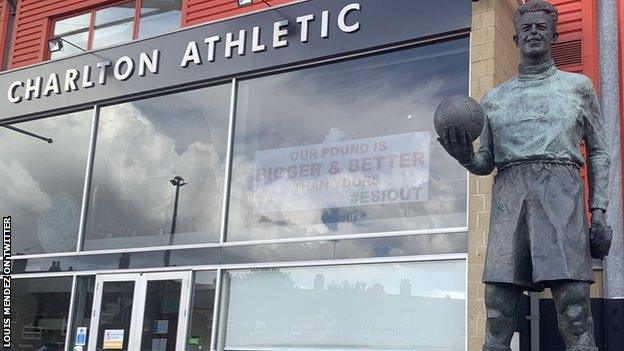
371 171
113 339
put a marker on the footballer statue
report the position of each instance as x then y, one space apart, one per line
533 125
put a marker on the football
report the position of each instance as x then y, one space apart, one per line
461 112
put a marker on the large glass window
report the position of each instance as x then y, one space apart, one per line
119 23
40 313
113 25
202 313
159 16
158 171
42 167
401 306
348 147
75 30
83 305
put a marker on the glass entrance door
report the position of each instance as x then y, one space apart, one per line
140 312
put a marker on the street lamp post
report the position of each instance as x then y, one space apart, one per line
178 182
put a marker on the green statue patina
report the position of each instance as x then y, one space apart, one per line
538 232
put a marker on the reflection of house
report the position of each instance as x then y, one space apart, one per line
332 315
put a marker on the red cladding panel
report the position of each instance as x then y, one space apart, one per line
577 47
35 17
4 22
33 23
200 11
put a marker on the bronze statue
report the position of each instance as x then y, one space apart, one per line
538 232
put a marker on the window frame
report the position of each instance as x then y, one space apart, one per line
370 52
463 35
92 11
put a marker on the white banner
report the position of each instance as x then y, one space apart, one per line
371 171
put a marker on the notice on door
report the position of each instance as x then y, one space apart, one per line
81 336
113 339
357 172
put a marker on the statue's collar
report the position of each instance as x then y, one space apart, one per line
540 71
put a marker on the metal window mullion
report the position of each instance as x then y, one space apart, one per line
286 264
137 15
215 311
190 298
228 161
91 30
95 313
87 181
70 317
138 311
88 175
339 237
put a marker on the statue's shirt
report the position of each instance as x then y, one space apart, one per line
543 114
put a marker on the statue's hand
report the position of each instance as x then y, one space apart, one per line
457 143
601 235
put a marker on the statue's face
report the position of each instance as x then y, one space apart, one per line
534 35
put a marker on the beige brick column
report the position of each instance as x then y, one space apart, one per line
494 59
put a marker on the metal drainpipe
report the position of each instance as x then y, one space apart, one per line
534 319
610 104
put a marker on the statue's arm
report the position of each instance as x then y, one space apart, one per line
597 157
483 160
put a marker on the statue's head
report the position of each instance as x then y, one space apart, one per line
536 28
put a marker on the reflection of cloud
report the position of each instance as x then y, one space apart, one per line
360 99
141 146
20 190
33 172
335 135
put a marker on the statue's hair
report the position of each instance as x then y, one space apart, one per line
538 6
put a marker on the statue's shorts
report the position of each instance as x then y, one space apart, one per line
538 229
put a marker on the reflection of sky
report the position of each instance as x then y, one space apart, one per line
42 183
159 17
140 147
380 95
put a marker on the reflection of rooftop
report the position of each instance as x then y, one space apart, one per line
346 316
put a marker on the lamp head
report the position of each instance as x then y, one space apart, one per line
178 181
55 44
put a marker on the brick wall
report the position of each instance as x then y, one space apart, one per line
494 59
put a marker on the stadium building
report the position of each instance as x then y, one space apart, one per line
264 174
